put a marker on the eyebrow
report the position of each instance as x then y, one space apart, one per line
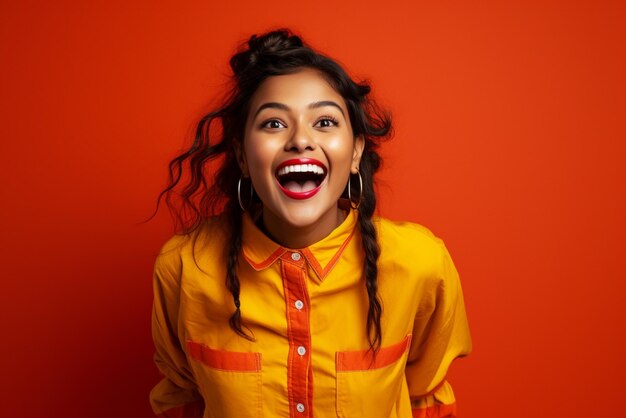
282 106
324 103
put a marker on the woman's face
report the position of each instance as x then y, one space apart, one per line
299 150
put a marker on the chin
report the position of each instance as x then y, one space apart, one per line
302 217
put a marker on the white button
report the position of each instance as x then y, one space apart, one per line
300 407
299 304
301 350
295 256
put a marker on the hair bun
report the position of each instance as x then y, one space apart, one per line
270 43
273 42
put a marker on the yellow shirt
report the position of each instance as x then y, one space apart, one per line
307 309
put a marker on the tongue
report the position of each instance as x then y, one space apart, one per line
305 186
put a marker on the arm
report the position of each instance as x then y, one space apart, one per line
176 395
440 335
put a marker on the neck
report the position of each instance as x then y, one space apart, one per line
291 236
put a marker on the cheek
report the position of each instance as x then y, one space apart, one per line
340 151
259 156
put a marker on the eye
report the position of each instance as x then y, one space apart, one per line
326 122
273 124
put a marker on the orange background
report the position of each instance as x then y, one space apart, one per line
509 144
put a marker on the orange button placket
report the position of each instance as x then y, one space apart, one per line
299 374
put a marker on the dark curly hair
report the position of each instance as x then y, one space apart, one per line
203 179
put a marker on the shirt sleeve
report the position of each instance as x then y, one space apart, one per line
440 334
176 395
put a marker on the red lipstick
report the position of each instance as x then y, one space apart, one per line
300 167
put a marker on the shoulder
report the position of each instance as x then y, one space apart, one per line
408 236
410 245
205 241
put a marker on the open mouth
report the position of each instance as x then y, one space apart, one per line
300 178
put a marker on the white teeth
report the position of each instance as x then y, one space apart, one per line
301 168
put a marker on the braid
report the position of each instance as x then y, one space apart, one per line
370 246
370 164
232 279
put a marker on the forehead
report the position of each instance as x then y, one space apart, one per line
296 90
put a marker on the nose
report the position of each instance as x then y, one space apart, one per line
300 140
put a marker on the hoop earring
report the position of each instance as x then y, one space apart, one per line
358 203
239 194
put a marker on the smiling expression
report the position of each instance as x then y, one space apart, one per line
299 150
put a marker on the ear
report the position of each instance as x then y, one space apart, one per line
359 145
241 159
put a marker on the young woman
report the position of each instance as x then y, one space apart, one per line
283 296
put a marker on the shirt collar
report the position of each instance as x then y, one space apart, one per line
261 252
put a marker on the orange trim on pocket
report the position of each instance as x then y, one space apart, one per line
436 411
190 410
363 359
224 360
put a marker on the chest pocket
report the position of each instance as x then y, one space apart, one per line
368 387
230 381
